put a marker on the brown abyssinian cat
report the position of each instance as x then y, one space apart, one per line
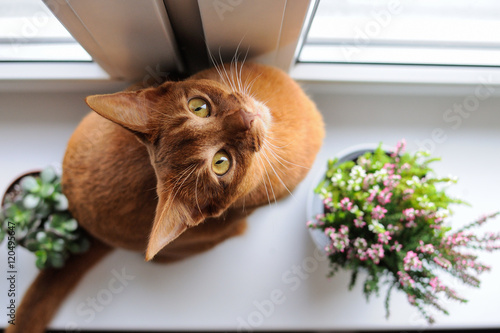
173 170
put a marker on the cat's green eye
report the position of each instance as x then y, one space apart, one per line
199 107
221 163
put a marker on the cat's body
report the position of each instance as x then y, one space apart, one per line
149 185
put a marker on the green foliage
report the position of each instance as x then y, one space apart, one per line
385 214
35 215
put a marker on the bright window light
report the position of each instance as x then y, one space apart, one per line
424 32
30 32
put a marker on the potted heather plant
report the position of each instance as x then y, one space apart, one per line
385 212
34 214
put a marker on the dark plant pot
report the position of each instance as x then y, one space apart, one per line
315 204
16 181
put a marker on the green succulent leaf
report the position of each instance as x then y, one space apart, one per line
70 225
31 201
48 175
29 184
58 245
41 237
61 202
41 259
56 259
47 190
32 245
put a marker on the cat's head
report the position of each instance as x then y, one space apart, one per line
203 139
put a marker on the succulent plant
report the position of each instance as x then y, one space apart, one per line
35 214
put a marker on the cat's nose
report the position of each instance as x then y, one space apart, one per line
241 120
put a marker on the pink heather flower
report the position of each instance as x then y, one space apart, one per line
411 261
390 168
367 181
410 224
344 230
375 252
412 299
482 219
373 194
405 166
384 237
392 181
339 240
359 223
405 279
327 202
426 248
407 193
320 216
362 255
442 262
392 228
346 204
328 231
400 148
396 247
384 197
310 224
360 243
378 212
457 239
436 284
409 214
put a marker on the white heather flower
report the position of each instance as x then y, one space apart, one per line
354 210
442 213
336 178
376 227
357 172
381 175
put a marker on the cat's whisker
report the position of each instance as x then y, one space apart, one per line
234 70
225 72
270 138
269 178
176 188
245 85
264 179
249 87
196 194
275 155
241 69
279 157
216 65
193 167
274 170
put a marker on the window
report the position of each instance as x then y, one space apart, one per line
30 32
423 32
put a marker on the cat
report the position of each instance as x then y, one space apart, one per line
172 171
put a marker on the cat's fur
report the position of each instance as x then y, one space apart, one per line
143 181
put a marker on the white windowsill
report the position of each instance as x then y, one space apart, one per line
55 76
348 78
367 78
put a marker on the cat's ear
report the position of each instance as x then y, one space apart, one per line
172 218
130 109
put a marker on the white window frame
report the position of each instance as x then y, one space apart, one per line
121 66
